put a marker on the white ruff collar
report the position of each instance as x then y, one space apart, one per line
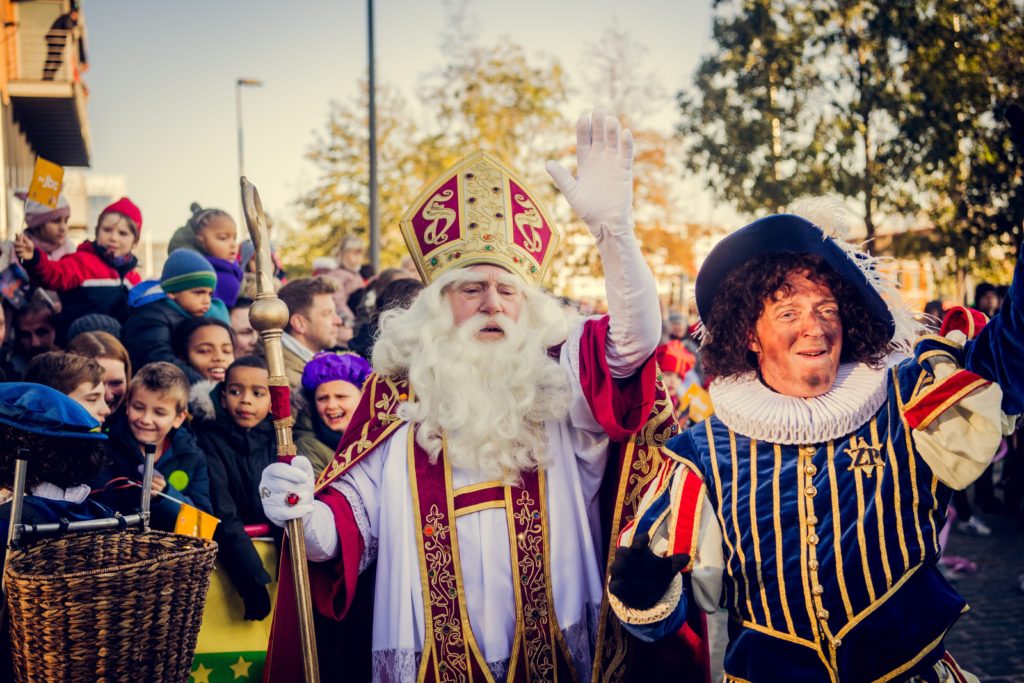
745 405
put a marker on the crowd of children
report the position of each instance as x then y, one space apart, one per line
174 364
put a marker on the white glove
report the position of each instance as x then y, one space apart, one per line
601 194
281 480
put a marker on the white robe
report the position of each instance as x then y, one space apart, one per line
378 489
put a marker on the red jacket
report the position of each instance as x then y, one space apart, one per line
86 283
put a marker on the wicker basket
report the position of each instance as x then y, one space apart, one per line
122 606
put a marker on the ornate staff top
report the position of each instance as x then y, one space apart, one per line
269 316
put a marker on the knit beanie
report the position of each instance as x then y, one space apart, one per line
36 214
126 207
186 269
328 367
95 322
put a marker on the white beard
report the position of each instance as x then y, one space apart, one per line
490 399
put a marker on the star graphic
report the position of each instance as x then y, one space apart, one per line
201 674
241 668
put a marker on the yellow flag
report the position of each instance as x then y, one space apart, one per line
47 179
192 521
699 402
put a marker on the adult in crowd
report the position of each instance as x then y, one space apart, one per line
313 324
245 336
106 350
484 387
35 332
350 255
332 384
810 503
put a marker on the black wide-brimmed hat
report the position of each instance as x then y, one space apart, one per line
790 234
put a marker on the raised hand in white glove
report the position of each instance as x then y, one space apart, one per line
602 191
281 482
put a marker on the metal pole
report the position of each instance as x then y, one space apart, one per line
374 221
238 124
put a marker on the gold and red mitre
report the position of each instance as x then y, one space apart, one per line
479 211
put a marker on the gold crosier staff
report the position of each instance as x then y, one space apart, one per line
268 316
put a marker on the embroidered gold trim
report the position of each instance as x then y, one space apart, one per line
837 531
662 609
911 462
788 637
945 405
866 612
482 486
917 658
736 524
721 515
470 509
756 535
776 521
896 492
861 538
880 509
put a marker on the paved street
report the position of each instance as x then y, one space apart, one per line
988 641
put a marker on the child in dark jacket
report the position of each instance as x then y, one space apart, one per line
212 233
187 282
156 408
238 438
97 277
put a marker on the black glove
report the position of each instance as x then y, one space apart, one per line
257 603
639 577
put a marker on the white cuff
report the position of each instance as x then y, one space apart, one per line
632 301
320 533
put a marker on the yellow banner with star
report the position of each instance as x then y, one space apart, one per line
229 648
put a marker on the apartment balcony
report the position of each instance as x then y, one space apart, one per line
48 98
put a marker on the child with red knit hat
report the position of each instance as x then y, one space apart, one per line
97 277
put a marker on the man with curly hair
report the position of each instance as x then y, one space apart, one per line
809 505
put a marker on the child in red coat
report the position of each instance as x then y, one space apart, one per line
97 277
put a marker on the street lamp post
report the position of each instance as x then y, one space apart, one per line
372 115
238 117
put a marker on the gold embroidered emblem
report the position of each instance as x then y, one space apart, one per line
435 211
864 456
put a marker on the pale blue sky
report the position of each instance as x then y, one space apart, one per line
162 105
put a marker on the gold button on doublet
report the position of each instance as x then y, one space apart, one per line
812 539
811 491
811 470
813 564
823 614
818 590
836 643
812 520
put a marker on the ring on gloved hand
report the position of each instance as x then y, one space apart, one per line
292 499
265 492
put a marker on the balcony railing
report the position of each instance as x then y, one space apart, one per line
47 55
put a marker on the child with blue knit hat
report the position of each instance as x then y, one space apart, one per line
186 291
